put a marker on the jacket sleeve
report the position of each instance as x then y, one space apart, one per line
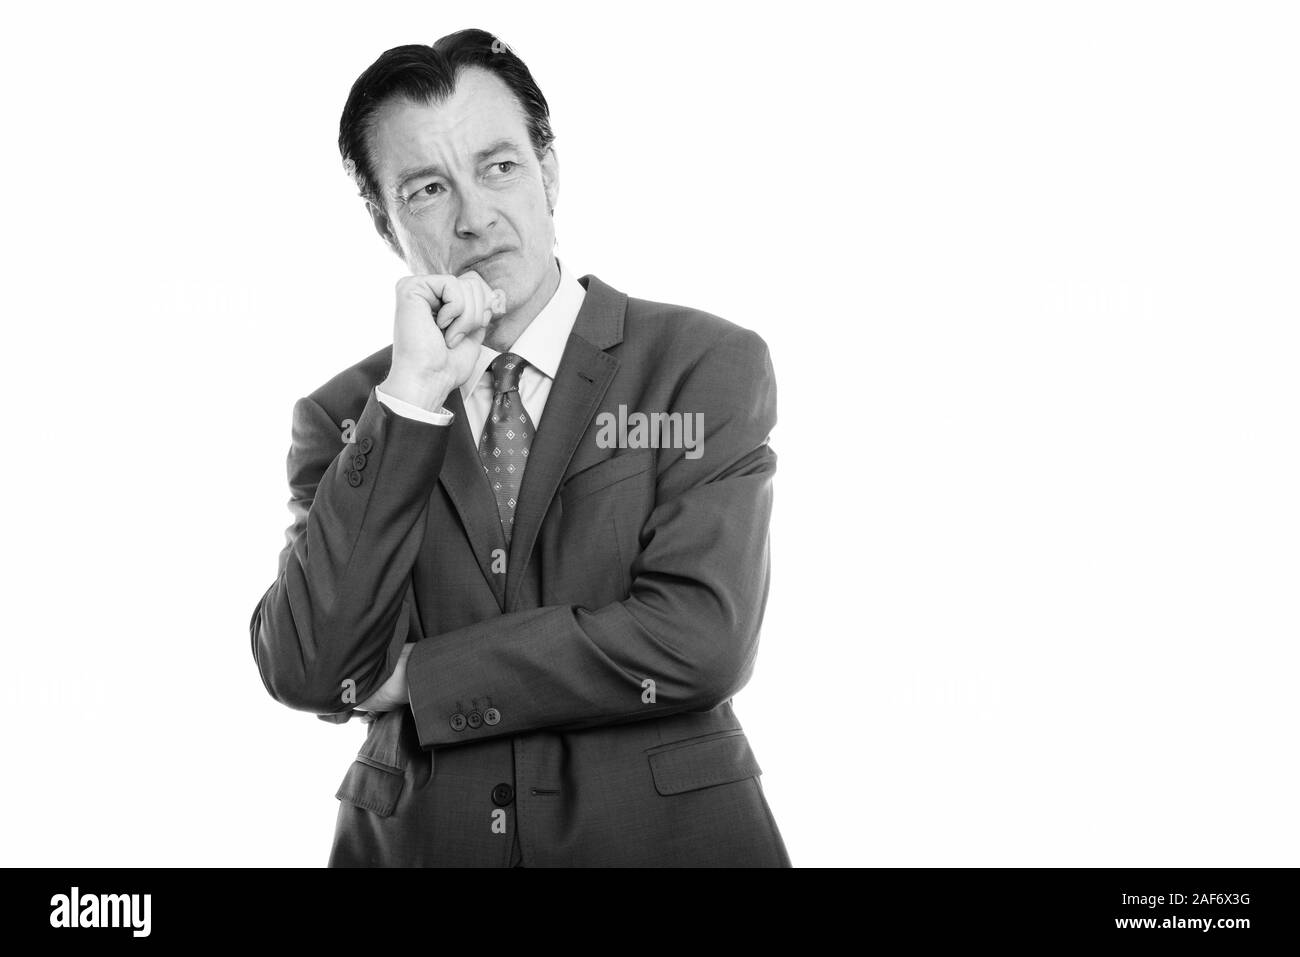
690 623
331 627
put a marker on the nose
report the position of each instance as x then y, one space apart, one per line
476 215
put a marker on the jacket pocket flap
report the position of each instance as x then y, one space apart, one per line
372 786
605 473
715 759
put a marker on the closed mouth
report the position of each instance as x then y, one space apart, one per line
482 259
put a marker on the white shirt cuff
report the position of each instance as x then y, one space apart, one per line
412 411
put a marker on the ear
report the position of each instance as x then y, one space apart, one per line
551 178
384 226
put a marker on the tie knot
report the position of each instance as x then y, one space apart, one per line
505 372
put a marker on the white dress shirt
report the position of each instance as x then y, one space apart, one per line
541 345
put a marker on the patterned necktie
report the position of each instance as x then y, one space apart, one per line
507 434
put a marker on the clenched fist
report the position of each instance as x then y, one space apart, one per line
439 324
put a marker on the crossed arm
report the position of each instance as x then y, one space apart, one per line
690 622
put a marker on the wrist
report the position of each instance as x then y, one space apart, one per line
428 392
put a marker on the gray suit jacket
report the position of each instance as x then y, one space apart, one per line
573 701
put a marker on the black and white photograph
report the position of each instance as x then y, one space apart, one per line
689 435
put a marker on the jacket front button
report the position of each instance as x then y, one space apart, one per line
491 716
354 478
359 461
502 795
365 445
458 722
475 720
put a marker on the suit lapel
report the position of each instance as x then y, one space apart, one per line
470 491
584 373
583 376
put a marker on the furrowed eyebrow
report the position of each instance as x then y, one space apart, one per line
433 169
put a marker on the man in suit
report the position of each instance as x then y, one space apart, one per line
510 553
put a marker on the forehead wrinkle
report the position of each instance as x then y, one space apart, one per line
498 145
436 152
476 94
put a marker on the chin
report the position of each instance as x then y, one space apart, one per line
503 281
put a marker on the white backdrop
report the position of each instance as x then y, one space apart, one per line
1030 269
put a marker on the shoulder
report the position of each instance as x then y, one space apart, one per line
672 330
696 360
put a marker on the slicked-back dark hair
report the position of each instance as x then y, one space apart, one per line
427 74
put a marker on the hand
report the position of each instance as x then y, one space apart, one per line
392 693
439 324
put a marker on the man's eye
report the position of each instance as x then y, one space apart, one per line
429 190
511 164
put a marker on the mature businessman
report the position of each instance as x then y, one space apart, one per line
508 555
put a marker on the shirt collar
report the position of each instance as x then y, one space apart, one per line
543 341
